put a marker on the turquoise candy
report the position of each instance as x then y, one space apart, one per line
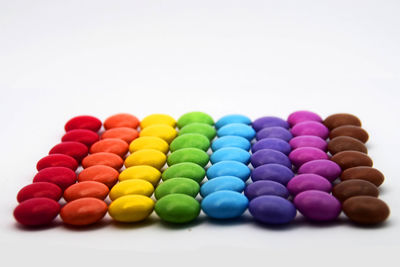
222 183
230 153
229 168
231 141
224 204
237 129
233 118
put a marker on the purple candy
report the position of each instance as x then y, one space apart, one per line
269 121
273 172
301 116
301 155
326 168
272 143
308 141
274 132
317 205
272 210
310 128
308 181
265 187
266 156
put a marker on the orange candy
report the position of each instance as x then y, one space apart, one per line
124 133
86 189
103 158
83 211
121 120
99 173
112 145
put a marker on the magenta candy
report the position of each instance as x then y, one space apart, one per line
274 132
269 121
326 168
308 181
301 116
310 128
308 141
301 155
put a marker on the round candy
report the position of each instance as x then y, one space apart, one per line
83 211
317 205
310 128
308 141
132 187
157 119
269 121
149 157
340 119
268 156
83 122
274 132
39 189
123 133
131 208
233 118
237 129
326 168
142 172
83 136
195 116
366 210
272 143
354 187
230 153
308 181
231 183
111 145
60 176
177 208
162 131
185 170
350 159
351 131
224 204
177 186
301 116
121 120
99 173
86 189
231 141
37 211
229 168
301 155
265 188
74 149
364 173
103 158
149 142
190 140
57 160
272 210
345 143
199 128
194 155
273 172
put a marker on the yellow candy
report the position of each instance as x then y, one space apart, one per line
131 208
142 172
157 119
163 131
149 157
149 142
132 187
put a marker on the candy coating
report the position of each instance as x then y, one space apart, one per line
185 170
132 187
177 208
231 141
193 140
237 129
222 183
111 145
233 118
157 119
265 188
99 173
37 211
39 189
163 131
269 121
149 142
230 153
177 186
224 204
83 136
229 168
60 176
199 128
123 133
57 160
308 181
86 189
131 208
268 156
272 210
83 122
274 132
194 155
193 117
121 120
103 158
273 172
301 155
301 116
150 157
143 172
272 143
74 149
83 211
326 168
310 128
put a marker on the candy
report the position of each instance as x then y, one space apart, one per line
354 187
326 168
162 131
111 145
150 157
265 187
86 189
39 189
149 142
177 208
364 173
229 168
274 132
308 181
233 118
199 128
301 116
267 156
308 141
230 153
222 183
103 158
193 117
301 155
142 172
351 131
237 129
57 160
272 143
121 120
124 133
345 143
61 176
193 140
266 122
224 204
340 119
310 128
349 159
37 211
131 208
74 149
272 210
194 155
273 172
366 210
83 211
231 141
83 122
186 170
132 187
157 119
177 186
317 205
83 136
99 173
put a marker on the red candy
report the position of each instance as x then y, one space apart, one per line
57 160
74 149
83 136
37 211
39 189
83 122
61 176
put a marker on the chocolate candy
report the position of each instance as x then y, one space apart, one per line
39 189
301 116
224 204
269 121
131 208
301 155
272 172
190 140
351 131
57 160
142 172
310 128
189 154
132 187
186 169
157 119
326 168
272 143
193 117
177 208
199 128
231 141
123 133
268 156
354 187
177 186
231 183
229 168
364 173
274 132
366 210
308 141
83 122
99 173
83 136
83 211
150 157
265 188
103 158
308 181
272 210
37 211
121 120
346 143
340 119
349 159
230 153
237 129
86 189
111 145
74 149
61 176
233 118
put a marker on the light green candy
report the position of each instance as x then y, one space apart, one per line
177 185
200 128
187 170
177 208
194 155
190 140
195 116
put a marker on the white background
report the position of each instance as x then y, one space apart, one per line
59 59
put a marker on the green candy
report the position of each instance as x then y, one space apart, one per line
200 128
195 116
194 155
185 169
177 185
177 208
190 140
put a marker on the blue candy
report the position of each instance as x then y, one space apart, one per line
222 183
229 168
237 129
272 143
224 204
233 118
272 210
231 141
230 153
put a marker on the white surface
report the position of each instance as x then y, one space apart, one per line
60 59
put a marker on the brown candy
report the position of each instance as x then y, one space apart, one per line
350 130
366 210
349 159
346 143
363 173
340 119
354 187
